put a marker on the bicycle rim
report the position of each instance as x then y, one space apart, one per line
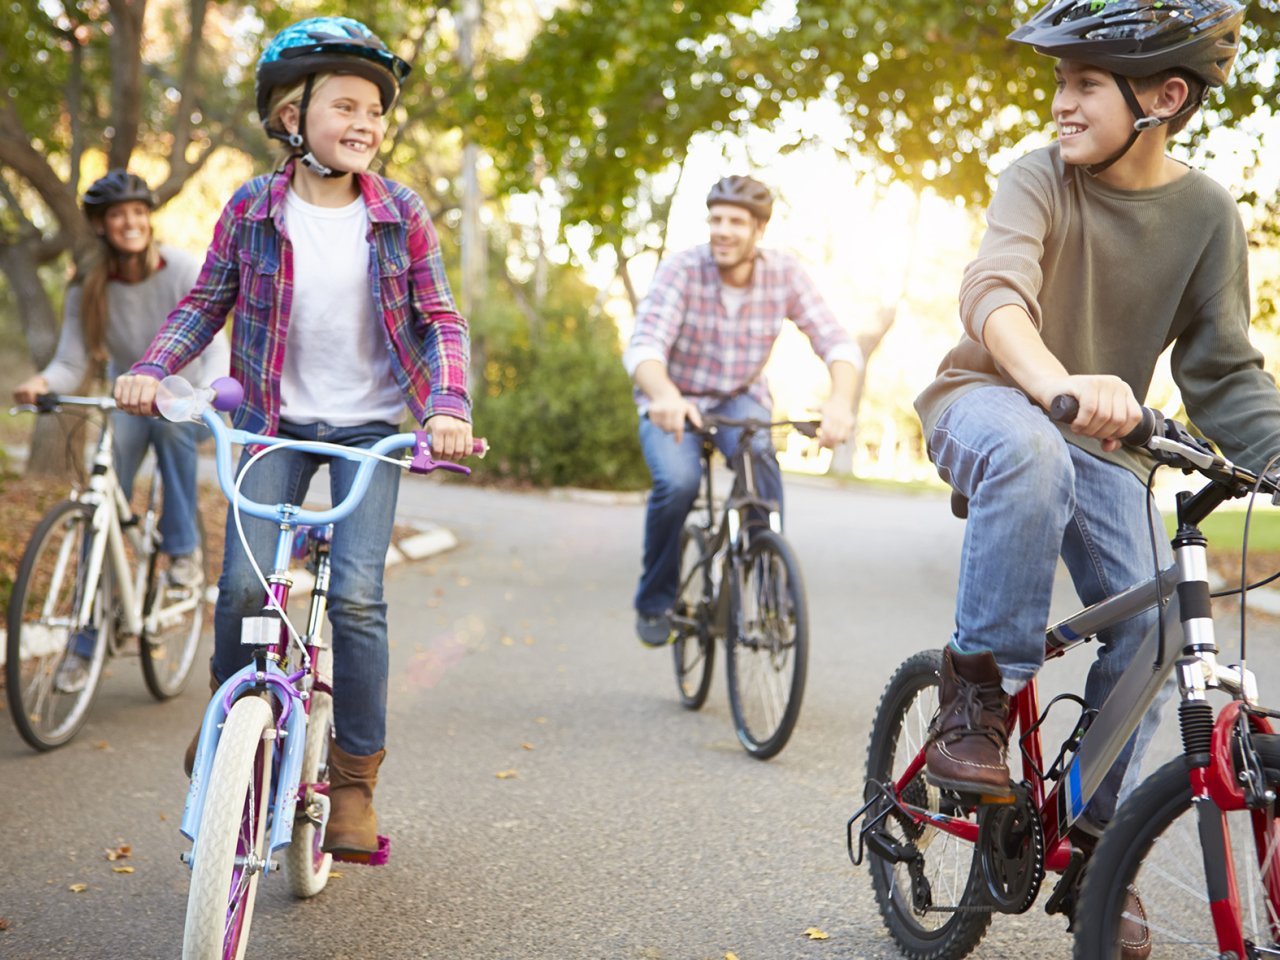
1154 847
694 647
950 870
767 645
307 864
230 846
173 621
45 630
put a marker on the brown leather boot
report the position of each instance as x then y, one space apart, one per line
353 826
189 759
969 736
1134 935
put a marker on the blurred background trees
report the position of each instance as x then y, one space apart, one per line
562 148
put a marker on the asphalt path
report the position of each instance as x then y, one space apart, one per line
545 794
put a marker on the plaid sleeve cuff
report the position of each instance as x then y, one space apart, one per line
448 406
149 370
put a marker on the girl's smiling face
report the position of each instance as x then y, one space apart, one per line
345 125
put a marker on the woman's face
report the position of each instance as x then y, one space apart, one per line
127 227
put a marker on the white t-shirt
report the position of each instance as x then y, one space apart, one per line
733 298
337 368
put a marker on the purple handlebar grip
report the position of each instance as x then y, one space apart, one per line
227 394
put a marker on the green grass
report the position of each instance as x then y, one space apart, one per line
1225 529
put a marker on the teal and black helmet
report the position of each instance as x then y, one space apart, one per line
327 45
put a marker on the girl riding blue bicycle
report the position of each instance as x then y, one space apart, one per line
342 315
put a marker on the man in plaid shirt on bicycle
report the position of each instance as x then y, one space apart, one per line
702 337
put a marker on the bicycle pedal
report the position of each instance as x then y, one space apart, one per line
376 858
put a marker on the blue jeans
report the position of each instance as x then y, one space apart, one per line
175 445
357 610
1032 497
677 472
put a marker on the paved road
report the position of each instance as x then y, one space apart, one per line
630 829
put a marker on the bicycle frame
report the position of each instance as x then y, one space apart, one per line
1190 651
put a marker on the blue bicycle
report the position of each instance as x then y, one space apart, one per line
260 780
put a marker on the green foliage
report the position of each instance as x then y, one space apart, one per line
555 402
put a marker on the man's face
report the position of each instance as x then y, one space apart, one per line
734 234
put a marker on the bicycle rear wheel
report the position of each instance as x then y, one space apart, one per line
1153 846
307 864
53 659
173 623
942 912
694 647
768 645
230 847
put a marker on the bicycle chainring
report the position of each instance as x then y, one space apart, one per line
1010 852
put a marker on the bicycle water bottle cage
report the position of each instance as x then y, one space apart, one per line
423 462
1069 746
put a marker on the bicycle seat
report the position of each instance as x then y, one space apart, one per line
959 505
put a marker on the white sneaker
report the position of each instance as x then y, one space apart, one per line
187 571
72 675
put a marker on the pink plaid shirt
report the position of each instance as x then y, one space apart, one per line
683 324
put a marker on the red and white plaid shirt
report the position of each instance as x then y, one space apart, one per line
682 323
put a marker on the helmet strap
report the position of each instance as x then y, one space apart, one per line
1141 121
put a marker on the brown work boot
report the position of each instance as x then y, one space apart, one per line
969 736
1134 935
189 759
353 826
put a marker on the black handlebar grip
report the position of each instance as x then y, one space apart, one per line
1065 407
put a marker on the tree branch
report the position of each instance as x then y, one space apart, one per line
126 78
187 82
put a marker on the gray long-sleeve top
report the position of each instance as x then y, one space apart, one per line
136 311
1111 278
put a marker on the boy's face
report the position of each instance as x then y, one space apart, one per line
734 234
1090 112
345 125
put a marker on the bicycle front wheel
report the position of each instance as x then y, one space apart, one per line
53 657
308 865
230 846
939 911
1150 861
173 623
694 648
768 645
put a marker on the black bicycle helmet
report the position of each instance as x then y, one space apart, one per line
1140 38
744 192
118 186
327 44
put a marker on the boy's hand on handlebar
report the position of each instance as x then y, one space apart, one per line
27 391
136 393
450 437
1108 408
670 413
837 422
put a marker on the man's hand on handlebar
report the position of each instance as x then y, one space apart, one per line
1108 408
837 422
450 437
669 413
136 393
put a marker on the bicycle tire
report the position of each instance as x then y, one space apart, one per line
169 645
694 649
232 827
1153 845
767 644
308 866
42 624
898 733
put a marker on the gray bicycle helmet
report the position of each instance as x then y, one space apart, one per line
118 186
744 192
1140 38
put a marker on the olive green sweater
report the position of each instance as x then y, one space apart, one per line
1111 278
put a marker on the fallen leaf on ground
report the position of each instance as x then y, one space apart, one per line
730 956
813 933
526 746
119 852
506 774
101 745
78 887
122 869
4 924
507 642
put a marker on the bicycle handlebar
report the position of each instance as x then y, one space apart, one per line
51 402
1065 408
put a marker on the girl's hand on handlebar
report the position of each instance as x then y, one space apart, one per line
1108 408
136 393
27 391
450 437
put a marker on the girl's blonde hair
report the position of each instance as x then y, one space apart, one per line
94 312
281 97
